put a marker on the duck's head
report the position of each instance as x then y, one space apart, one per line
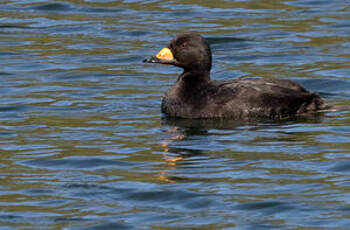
188 51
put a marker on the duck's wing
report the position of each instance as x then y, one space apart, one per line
257 97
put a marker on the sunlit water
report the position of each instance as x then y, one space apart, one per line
84 145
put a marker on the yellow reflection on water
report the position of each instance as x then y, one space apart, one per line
169 161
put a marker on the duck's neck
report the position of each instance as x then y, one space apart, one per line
192 80
190 86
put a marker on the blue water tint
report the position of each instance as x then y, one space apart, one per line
85 146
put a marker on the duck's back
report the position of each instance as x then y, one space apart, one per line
244 98
272 98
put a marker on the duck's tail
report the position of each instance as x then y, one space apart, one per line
335 108
317 104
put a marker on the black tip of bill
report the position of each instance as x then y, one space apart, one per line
152 59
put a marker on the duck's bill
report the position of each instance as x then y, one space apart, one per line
165 56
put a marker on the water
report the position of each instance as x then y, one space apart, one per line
84 145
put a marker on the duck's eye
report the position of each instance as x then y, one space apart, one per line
184 45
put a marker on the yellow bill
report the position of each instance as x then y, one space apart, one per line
165 54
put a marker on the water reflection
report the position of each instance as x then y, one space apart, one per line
197 126
185 140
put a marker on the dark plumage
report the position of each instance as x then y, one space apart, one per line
194 95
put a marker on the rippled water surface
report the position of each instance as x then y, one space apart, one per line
83 141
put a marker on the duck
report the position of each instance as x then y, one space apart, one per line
194 95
